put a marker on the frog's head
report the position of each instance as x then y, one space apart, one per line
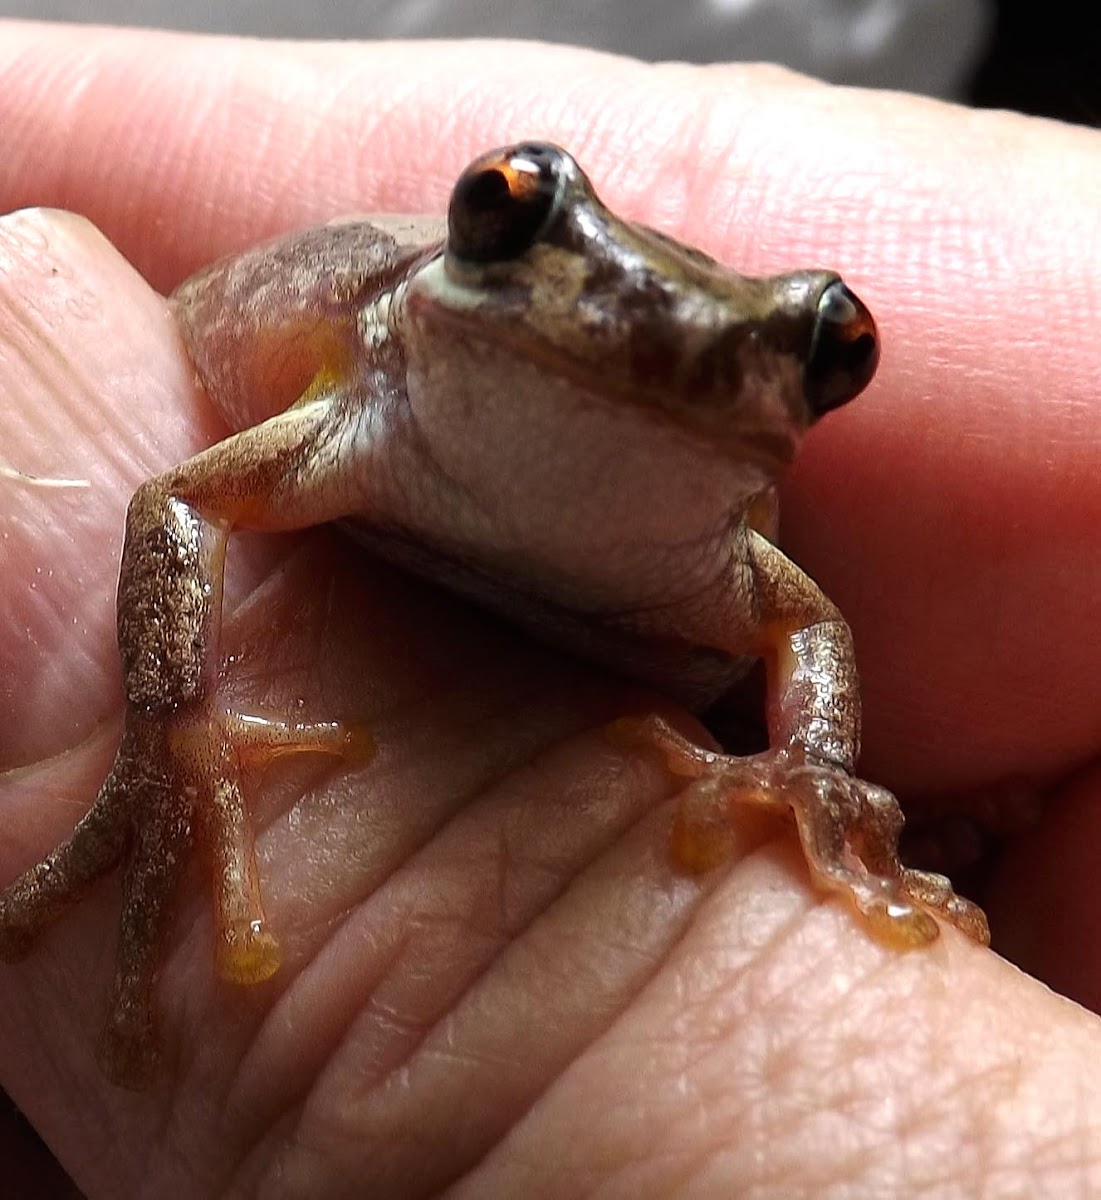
536 267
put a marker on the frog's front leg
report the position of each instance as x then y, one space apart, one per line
175 778
848 828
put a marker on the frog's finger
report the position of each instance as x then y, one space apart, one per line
42 893
128 1048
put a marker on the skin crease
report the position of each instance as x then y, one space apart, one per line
491 966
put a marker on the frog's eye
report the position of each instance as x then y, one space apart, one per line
502 202
844 350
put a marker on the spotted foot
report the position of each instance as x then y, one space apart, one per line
849 831
175 782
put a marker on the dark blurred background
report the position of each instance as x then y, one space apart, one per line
1043 59
1035 57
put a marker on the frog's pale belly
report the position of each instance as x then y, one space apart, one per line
695 675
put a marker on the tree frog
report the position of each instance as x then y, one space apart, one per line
573 420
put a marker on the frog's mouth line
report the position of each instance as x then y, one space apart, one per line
709 430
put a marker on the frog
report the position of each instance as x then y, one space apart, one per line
572 420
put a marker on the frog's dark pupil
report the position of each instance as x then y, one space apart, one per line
859 352
843 352
491 222
488 190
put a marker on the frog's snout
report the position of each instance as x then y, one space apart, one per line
844 350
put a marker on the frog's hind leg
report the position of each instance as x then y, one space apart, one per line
176 776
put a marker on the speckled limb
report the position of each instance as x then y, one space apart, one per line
813 687
128 1048
175 779
849 829
50 887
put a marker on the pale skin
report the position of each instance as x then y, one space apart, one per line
614 957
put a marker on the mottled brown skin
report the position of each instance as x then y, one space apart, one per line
451 392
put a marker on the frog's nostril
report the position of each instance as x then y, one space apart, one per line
844 350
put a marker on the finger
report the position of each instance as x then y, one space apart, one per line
95 394
1044 1019
729 1050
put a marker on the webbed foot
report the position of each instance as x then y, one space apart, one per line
848 829
175 781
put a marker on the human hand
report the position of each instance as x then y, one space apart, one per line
493 977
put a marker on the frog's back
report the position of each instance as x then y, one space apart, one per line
259 326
